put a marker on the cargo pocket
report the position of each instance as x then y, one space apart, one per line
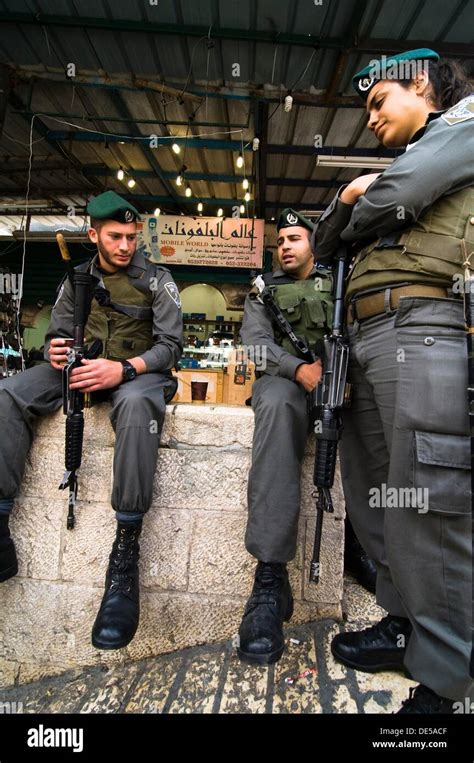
316 313
432 381
442 467
290 305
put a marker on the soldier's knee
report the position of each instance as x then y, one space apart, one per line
281 396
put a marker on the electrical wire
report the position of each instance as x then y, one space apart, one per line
23 256
20 142
290 89
135 137
304 70
204 37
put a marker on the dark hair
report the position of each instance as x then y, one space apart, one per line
96 224
450 82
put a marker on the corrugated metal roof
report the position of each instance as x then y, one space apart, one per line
183 45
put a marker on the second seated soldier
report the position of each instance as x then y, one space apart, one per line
303 292
136 314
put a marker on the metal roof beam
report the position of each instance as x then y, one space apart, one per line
163 141
333 150
222 145
138 121
360 45
99 171
261 129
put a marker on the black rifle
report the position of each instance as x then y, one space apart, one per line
74 401
328 398
265 296
331 395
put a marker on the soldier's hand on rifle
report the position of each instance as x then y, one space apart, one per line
309 375
97 374
58 353
358 187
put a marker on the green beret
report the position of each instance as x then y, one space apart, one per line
399 67
289 219
111 206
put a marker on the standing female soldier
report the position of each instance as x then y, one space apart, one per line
405 455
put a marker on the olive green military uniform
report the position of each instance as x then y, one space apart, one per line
280 405
408 426
153 332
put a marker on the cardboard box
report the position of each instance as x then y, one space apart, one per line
213 377
239 378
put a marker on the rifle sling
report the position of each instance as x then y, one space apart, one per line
272 308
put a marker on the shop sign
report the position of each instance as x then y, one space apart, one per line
228 242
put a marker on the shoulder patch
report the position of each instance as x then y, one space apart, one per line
173 292
460 112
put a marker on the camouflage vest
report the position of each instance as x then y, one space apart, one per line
431 251
123 336
307 305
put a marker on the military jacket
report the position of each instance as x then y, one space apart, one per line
306 304
415 223
152 330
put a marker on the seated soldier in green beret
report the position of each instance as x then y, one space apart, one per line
140 325
302 291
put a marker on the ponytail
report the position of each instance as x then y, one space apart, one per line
450 83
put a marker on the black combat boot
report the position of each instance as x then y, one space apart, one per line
424 700
381 647
119 613
356 561
270 603
8 560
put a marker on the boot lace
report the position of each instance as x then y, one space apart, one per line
268 581
373 633
120 574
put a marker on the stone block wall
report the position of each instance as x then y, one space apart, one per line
195 572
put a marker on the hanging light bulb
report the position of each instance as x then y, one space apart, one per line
157 212
220 212
240 160
176 148
200 206
255 144
188 191
245 184
288 102
247 196
242 209
179 180
130 183
120 174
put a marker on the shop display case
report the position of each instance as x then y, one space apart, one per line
204 328
209 343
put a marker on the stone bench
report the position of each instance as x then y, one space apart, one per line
195 572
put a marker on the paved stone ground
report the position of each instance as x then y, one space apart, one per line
211 679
